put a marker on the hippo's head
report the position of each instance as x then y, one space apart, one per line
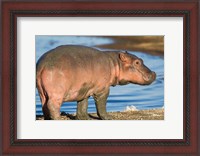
134 71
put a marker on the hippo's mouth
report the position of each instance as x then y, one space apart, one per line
149 77
145 77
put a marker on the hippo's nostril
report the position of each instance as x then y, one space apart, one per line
154 75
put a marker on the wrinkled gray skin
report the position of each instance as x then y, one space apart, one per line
74 73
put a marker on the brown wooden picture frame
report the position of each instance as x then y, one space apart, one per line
12 9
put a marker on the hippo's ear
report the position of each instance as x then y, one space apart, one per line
124 57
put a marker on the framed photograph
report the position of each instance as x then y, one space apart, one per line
107 77
100 77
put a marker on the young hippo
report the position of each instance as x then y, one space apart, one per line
74 73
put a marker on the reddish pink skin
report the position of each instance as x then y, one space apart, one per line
73 73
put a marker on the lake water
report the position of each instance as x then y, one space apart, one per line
121 97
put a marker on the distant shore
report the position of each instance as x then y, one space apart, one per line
148 44
153 114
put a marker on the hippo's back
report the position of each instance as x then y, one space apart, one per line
68 54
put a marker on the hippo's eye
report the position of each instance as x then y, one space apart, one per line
137 62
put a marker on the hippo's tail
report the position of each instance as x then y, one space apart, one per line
41 91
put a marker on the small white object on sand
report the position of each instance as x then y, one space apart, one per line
130 108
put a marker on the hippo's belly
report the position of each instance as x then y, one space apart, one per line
78 94
83 92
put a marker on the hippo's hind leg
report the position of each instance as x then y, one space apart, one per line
82 110
46 111
100 101
52 108
53 82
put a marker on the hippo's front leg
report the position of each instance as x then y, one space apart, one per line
82 110
100 101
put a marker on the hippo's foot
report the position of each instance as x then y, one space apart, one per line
105 116
52 118
82 117
55 115
49 117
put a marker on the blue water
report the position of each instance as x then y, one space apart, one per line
142 97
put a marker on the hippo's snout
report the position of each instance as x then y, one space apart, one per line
149 78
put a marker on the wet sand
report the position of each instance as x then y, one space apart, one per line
148 44
154 114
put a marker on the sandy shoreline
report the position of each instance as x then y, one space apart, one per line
148 44
153 114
